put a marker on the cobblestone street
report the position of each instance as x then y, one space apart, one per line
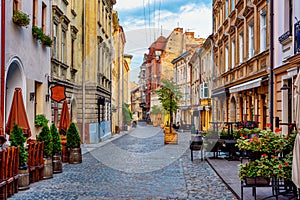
135 166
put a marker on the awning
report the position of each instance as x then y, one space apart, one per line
219 93
246 86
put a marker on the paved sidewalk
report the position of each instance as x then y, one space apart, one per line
228 171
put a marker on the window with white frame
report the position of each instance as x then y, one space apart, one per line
226 58
251 40
232 54
241 47
204 90
263 31
54 40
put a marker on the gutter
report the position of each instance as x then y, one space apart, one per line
83 73
2 56
271 80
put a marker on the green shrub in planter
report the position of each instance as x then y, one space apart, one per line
17 138
73 136
56 140
46 137
40 120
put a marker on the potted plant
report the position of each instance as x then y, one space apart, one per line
46 137
38 34
57 149
73 143
169 95
17 138
20 18
47 41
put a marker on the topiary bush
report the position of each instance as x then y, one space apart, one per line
46 137
73 136
17 138
40 120
56 140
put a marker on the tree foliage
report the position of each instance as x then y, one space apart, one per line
73 136
169 94
56 140
17 138
46 137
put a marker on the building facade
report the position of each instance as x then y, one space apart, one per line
286 63
241 61
27 59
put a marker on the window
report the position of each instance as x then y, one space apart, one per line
241 47
226 58
251 41
232 5
263 31
44 17
63 47
54 40
232 54
204 90
288 14
35 13
226 9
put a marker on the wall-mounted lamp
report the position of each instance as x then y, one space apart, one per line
31 96
47 97
284 87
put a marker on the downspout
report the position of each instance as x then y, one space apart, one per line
2 55
83 73
271 80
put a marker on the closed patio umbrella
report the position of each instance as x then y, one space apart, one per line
296 150
17 114
64 121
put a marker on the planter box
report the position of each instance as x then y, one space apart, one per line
258 181
171 138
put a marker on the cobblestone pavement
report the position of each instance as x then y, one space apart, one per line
135 166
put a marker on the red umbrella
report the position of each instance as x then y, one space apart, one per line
17 114
64 122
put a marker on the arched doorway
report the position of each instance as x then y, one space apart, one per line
14 79
232 110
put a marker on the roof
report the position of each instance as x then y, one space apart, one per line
160 43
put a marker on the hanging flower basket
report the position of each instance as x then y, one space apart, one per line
21 18
46 40
38 34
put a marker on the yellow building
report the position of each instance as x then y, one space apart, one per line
241 60
117 72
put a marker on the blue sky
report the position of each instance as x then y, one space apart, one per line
165 15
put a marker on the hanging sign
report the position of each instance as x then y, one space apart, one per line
58 93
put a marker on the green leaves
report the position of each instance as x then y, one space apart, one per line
73 136
56 139
20 18
17 138
46 137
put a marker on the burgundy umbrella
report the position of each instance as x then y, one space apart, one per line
64 122
17 114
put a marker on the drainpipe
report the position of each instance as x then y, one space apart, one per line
83 73
271 80
2 55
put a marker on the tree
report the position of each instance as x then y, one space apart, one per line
169 94
56 140
73 136
46 137
17 138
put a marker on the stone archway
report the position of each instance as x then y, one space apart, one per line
232 110
14 79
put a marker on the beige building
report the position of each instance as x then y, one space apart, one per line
241 60
66 55
117 74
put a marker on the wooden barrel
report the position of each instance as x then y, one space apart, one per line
57 164
75 156
23 180
48 169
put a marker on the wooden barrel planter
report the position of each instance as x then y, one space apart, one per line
57 164
23 179
75 156
48 169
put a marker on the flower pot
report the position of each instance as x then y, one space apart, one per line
57 164
257 181
171 138
75 156
48 169
23 180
